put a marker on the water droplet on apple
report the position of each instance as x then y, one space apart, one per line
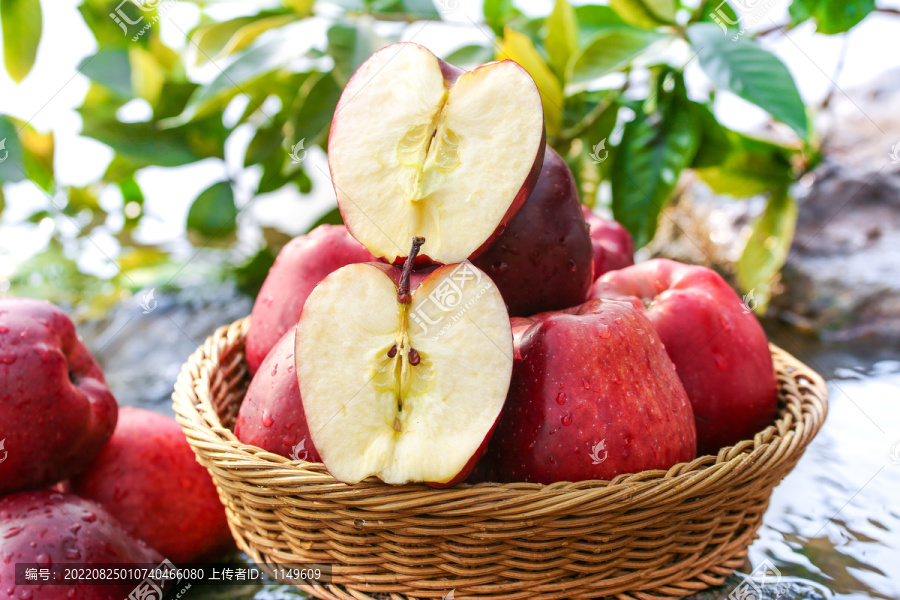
25 594
267 421
73 553
572 266
721 363
71 593
561 398
586 383
499 268
274 369
13 532
88 517
4 329
8 359
75 527
566 419
43 559
604 331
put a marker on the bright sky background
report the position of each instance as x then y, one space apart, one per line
48 96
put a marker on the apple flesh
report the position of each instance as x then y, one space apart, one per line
419 147
544 259
403 380
50 528
149 479
56 412
613 246
593 395
717 344
271 415
300 265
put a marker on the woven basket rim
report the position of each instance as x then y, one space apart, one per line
787 426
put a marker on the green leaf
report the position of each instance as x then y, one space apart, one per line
655 148
213 213
645 13
470 56
111 69
21 22
750 167
332 217
247 34
752 73
831 16
424 9
518 47
310 118
767 249
561 40
608 51
715 145
38 152
498 14
350 46
717 11
12 167
592 19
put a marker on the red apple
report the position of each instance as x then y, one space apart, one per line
400 379
148 478
715 341
544 259
300 265
613 246
420 148
49 528
593 395
56 412
271 415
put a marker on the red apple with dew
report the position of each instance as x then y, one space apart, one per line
421 148
544 259
403 378
715 341
613 246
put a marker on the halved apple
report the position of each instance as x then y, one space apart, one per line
403 376
420 147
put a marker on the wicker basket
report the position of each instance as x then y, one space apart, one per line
654 534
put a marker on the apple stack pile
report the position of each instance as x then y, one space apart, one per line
473 320
80 480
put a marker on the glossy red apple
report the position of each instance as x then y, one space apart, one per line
271 415
715 341
149 479
49 528
593 395
613 246
420 148
403 378
544 259
300 265
56 412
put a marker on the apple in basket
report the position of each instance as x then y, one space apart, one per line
403 375
418 147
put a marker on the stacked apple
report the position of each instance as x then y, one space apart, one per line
473 319
80 480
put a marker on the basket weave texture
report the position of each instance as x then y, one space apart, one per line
649 535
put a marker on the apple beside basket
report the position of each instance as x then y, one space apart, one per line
654 534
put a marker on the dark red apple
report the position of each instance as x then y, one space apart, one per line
715 341
56 412
148 478
271 416
300 265
593 395
613 246
50 528
543 260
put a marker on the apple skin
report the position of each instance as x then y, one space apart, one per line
613 246
148 478
451 73
544 259
56 412
271 415
585 375
51 528
719 348
301 264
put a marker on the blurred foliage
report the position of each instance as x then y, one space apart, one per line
610 75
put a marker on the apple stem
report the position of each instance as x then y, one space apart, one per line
403 295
